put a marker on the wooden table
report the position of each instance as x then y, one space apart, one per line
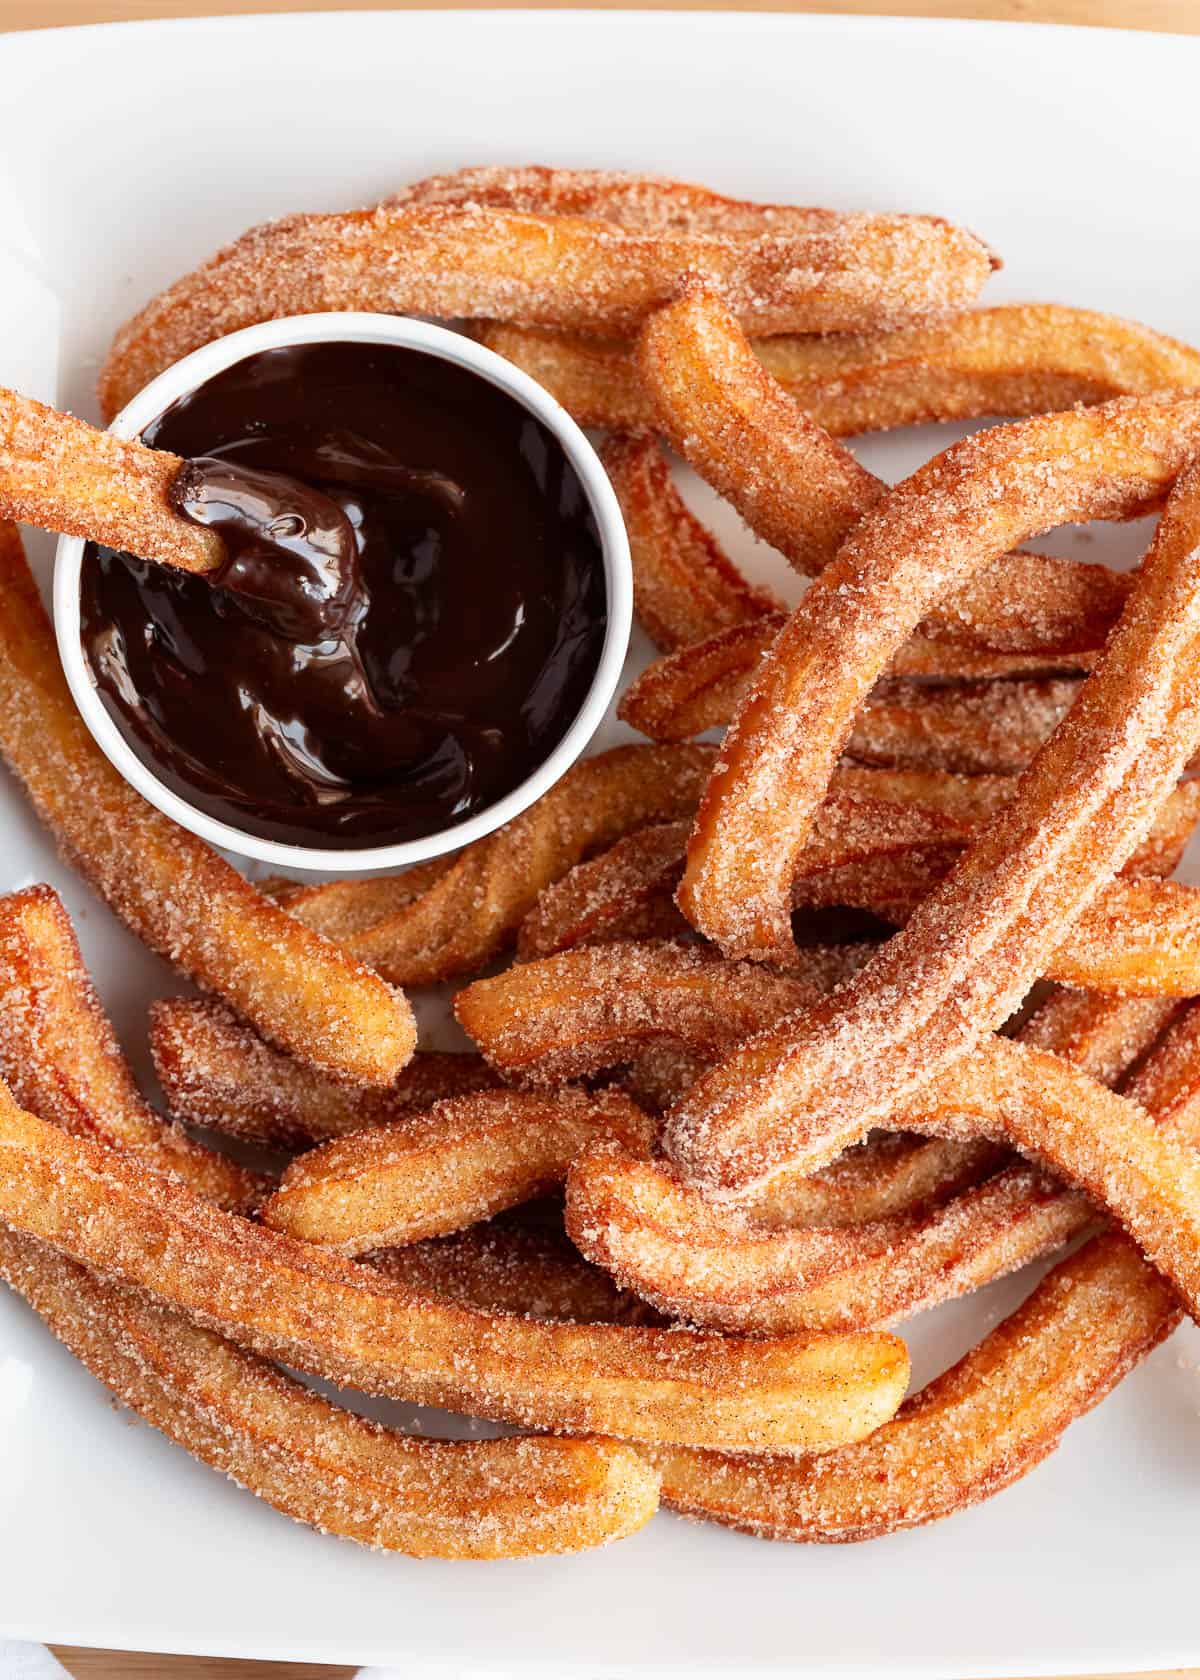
1182 16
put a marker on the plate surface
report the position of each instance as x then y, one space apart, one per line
128 154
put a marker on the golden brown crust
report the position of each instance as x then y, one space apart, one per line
60 1057
1138 938
317 1463
309 1458
315 1311
970 728
860 271
710 1267
461 1161
804 493
433 924
1012 360
216 1072
1168 1082
984 934
976 1429
182 898
628 199
684 585
730 1269
61 474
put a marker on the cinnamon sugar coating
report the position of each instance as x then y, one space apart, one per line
856 271
461 1161
317 1312
439 921
981 1426
1010 360
314 1461
61 474
729 1268
216 1072
60 1057
804 493
974 945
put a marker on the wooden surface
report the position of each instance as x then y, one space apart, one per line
118 1665
1180 15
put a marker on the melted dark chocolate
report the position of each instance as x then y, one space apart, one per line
308 699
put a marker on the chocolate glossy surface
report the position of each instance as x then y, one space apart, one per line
380 661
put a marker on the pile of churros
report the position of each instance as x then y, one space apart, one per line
778 1040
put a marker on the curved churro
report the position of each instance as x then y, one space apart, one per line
705 1267
554 1012
460 1161
175 892
969 1433
216 1072
1015 359
974 945
317 1463
701 686
804 493
312 1460
1138 938
969 728
939 524
856 272
714 627
684 585
61 474
723 1268
434 923
324 1314
413 927
60 1057
867 813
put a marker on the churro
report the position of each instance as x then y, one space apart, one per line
855 272
804 493
216 1072
1138 938
61 474
318 1463
974 945
1012 360
441 920
974 728
940 523
439 1171
324 1314
684 585
728 1269
971 1432
706 1267
60 1056
307 1457
174 891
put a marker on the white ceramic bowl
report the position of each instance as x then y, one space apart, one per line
195 370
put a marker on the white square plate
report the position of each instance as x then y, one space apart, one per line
129 153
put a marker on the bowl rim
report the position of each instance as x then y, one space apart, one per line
407 332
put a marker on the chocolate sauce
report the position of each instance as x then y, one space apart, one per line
395 641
